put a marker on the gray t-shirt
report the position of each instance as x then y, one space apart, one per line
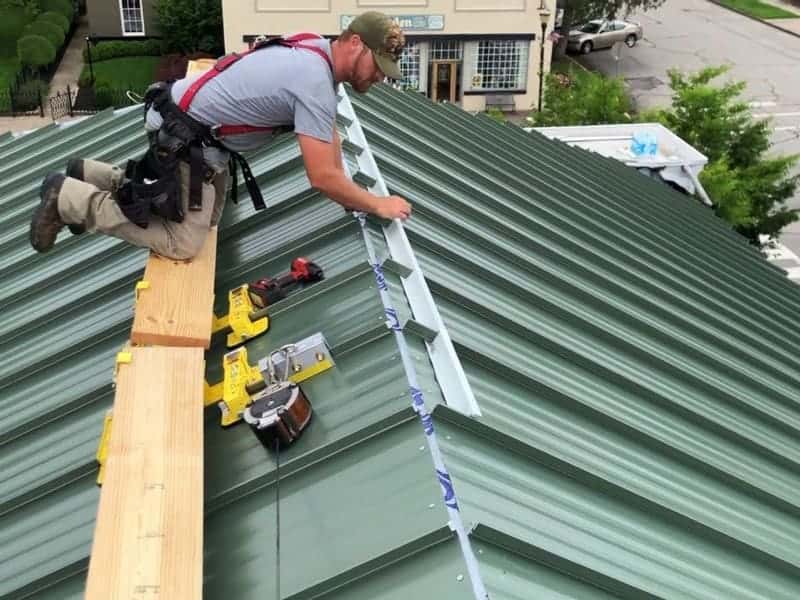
272 87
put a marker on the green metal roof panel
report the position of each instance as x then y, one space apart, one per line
636 364
615 326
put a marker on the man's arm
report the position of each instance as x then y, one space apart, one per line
338 148
325 171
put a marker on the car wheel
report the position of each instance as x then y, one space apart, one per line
586 47
630 41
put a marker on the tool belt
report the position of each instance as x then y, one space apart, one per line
152 186
153 181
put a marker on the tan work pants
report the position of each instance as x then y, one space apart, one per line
91 203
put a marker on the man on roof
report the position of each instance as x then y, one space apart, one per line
197 126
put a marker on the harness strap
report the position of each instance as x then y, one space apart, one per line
295 41
249 180
196 177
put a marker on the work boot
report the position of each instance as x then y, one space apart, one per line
75 170
46 222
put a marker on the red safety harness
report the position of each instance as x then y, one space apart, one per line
295 41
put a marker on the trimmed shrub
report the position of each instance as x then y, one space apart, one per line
51 32
11 26
35 51
60 6
119 49
56 19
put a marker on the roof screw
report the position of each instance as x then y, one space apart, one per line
422 448
460 578
431 506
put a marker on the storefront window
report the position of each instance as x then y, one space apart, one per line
446 50
500 65
409 67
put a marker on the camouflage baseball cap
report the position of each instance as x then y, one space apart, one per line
384 37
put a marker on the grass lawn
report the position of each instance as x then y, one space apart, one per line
757 9
133 73
8 71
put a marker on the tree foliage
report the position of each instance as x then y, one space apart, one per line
56 18
191 25
50 31
748 188
713 119
13 21
64 7
582 98
35 51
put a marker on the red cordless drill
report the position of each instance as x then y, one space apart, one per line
269 290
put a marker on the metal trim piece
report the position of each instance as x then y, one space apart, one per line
449 372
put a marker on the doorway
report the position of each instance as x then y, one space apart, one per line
444 80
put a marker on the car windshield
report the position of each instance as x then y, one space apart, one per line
592 27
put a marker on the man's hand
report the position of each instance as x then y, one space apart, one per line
325 172
393 207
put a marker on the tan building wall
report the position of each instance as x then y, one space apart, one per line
105 20
471 51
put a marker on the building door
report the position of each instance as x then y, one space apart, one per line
443 79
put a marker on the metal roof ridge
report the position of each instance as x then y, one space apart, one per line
450 375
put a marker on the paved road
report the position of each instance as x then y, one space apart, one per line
690 34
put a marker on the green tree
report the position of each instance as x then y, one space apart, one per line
748 189
191 25
64 7
35 51
713 119
582 98
56 18
50 31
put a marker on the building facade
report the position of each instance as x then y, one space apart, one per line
475 53
121 18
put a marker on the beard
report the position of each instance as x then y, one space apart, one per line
362 85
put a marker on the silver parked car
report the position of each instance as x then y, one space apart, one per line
601 33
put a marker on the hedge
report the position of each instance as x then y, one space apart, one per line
63 7
28 94
35 51
53 33
11 25
55 18
119 49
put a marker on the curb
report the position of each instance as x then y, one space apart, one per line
765 22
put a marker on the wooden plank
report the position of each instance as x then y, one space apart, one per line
176 308
148 541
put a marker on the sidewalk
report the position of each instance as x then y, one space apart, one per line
792 25
71 65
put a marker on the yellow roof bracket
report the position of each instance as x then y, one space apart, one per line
241 319
141 286
232 394
102 447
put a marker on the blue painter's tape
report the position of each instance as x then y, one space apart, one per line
427 423
394 319
447 489
417 399
380 277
